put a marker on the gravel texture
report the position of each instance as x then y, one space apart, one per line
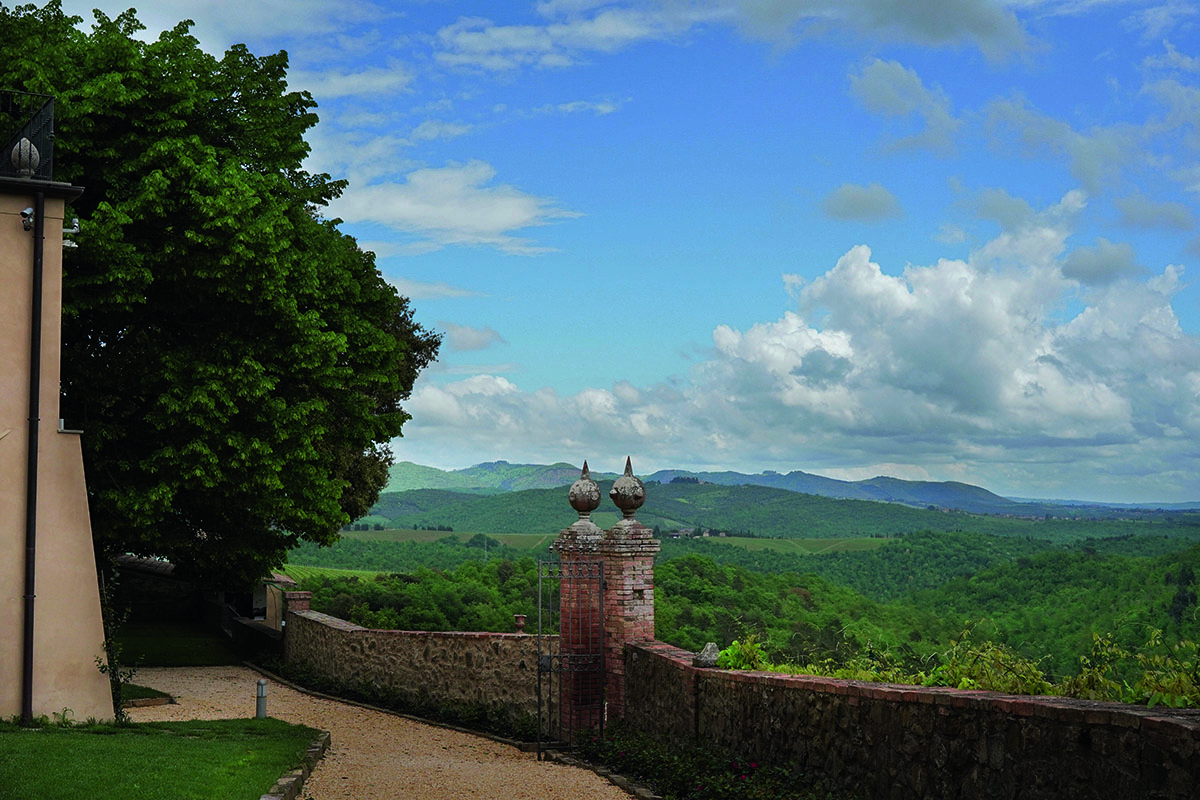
373 754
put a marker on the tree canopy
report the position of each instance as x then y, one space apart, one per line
236 362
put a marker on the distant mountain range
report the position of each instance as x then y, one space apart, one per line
500 476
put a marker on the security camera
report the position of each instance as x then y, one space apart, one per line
27 219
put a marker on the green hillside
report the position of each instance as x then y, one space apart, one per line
488 478
753 511
501 476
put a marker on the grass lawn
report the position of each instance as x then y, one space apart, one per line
132 691
210 760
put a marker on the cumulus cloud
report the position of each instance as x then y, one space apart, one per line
456 204
577 28
872 203
1101 264
1140 211
1182 104
1095 158
966 367
1011 212
987 25
464 337
887 87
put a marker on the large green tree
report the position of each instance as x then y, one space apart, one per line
237 363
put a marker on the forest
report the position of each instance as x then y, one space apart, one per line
902 604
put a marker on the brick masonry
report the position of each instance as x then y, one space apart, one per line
628 551
914 743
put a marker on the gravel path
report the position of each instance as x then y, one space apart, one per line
374 755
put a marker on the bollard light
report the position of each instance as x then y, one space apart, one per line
261 708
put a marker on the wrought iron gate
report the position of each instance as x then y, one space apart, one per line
570 651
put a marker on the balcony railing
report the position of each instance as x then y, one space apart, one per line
29 151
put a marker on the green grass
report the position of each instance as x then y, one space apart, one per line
209 760
166 644
301 573
131 691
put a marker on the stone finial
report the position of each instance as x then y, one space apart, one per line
25 158
584 495
628 492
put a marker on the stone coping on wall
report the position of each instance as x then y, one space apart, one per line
343 625
1180 722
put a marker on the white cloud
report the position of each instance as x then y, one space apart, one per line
1172 59
432 129
598 107
887 87
1157 20
328 84
872 203
1095 158
1011 212
479 43
988 25
1182 103
1101 264
464 337
453 205
420 290
1140 211
218 24
577 28
966 367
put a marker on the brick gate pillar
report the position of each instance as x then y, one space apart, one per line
581 620
628 550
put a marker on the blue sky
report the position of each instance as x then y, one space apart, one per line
935 239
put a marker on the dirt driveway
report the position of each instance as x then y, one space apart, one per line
375 755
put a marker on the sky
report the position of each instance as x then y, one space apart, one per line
931 239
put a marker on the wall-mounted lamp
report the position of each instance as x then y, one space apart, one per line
70 232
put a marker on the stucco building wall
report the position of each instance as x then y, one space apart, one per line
68 631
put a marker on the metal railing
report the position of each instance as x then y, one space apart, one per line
29 151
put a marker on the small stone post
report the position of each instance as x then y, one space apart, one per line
260 701
628 550
581 627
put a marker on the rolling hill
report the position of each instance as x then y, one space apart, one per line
758 511
500 476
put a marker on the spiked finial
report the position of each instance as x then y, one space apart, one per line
584 495
628 492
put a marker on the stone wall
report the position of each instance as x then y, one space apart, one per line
904 742
495 670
